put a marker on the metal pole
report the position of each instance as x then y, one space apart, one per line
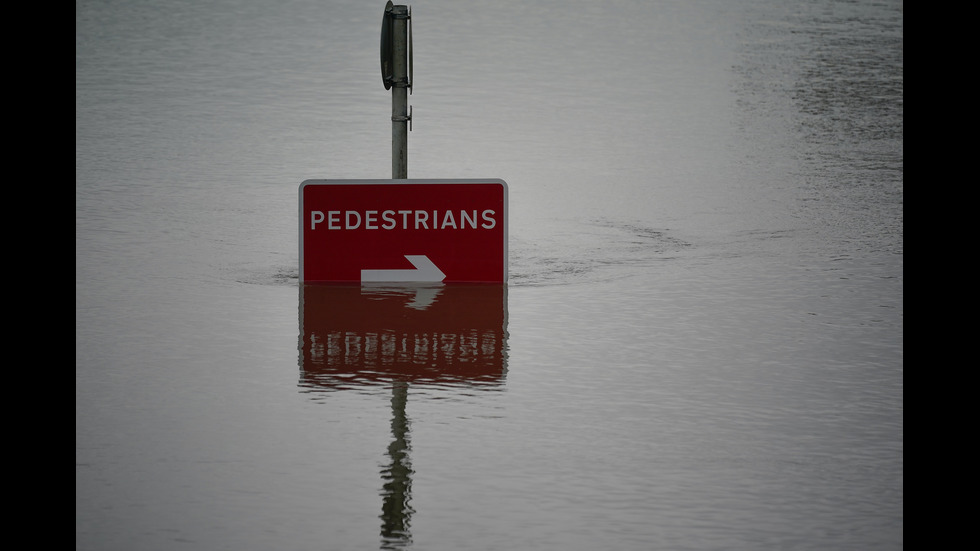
399 93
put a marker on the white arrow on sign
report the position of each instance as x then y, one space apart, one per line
425 271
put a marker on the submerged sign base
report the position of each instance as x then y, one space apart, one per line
403 231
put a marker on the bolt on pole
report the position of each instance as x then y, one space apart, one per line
396 72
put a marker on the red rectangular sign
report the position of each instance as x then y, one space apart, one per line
450 231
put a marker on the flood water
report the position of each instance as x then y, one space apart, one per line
700 346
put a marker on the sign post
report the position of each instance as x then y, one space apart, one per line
406 231
396 73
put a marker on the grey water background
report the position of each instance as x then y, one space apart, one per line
704 320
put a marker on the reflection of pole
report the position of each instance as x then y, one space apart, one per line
399 93
396 512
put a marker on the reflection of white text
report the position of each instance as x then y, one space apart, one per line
404 219
350 349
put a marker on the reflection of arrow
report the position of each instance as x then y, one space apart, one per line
424 270
424 297
421 296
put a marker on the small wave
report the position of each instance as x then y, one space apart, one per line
597 250
275 275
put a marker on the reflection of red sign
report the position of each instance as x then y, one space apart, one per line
354 334
403 231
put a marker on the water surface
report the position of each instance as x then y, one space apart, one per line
700 347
